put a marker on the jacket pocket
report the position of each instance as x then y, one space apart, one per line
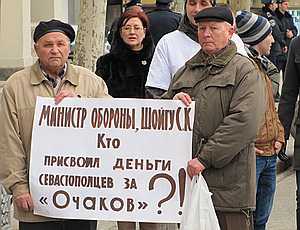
218 94
224 178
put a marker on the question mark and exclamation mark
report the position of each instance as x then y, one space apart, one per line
181 177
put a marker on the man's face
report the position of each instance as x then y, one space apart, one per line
272 6
193 7
53 50
264 47
214 36
283 6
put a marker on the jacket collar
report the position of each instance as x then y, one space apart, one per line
37 76
267 10
281 15
259 59
219 60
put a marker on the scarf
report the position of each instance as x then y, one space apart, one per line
186 27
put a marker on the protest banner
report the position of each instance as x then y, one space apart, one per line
111 159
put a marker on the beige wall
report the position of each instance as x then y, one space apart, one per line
15 31
16 20
48 9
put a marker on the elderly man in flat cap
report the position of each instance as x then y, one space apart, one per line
50 76
229 96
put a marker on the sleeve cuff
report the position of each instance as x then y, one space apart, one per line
19 189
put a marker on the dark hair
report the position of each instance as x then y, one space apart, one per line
132 12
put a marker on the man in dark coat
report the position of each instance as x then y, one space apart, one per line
289 95
279 46
162 20
287 26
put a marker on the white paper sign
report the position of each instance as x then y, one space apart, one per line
111 159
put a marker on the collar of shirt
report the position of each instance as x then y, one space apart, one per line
61 75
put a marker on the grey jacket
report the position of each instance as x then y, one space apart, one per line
229 96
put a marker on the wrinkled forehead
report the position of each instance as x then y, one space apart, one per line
213 22
54 37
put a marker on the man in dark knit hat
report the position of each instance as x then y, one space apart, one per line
51 76
256 32
175 48
229 97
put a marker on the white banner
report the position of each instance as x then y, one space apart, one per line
111 159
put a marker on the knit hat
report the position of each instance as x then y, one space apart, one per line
252 28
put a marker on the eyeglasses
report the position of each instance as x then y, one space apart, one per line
130 28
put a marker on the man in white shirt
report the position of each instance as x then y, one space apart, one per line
177 47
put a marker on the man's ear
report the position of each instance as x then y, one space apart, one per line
232 30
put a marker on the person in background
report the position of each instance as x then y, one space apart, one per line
126 5
229 95
279 47
286 109
177 47
162 20
50 76
288 27
125 68
256 33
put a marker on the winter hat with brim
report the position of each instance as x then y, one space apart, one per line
252 28
217 14
267 1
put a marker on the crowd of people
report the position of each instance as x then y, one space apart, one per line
228 64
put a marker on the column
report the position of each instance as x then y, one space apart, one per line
15 34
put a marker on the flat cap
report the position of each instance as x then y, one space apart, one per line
218 13
53 25
281 1
267 1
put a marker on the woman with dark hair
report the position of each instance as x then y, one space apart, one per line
125 68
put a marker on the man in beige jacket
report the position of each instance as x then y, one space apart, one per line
50 76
